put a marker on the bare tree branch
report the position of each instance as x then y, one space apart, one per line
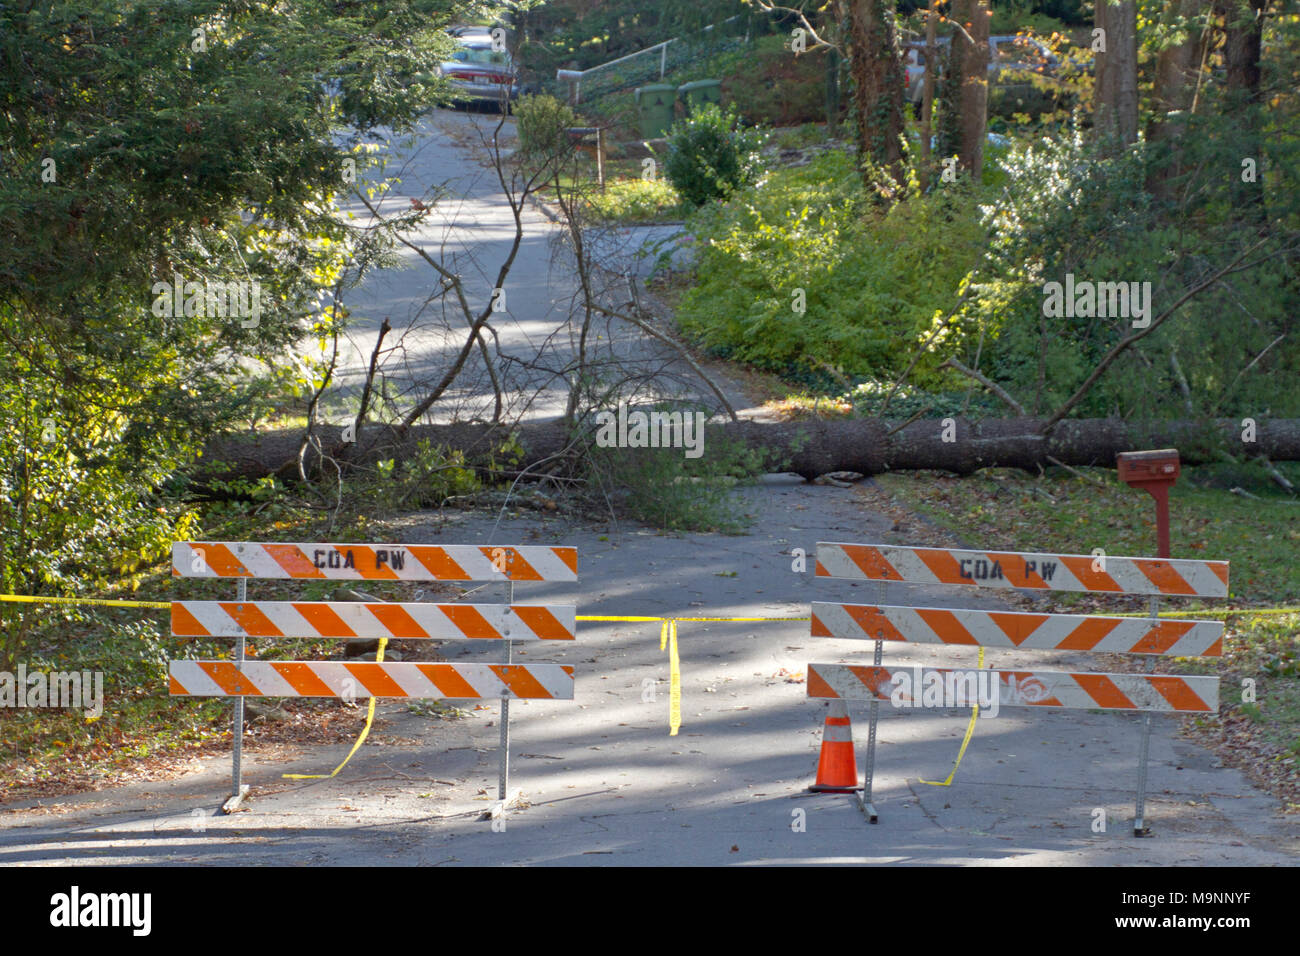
357 424
988 383
1228 391
1119 348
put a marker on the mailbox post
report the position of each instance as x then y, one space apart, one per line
1154 472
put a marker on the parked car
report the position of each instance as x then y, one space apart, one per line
480 73
914 69
1009 56
1016 54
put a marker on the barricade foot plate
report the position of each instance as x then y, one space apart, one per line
233 802
513 801
868 810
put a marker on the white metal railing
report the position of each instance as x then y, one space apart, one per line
575 78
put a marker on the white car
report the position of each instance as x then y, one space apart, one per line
1007 54
914 72
479 70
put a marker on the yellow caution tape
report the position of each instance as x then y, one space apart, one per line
1262 612
166 605
1215 612
970 730
604 617
668 635
365 732
668 639
35 599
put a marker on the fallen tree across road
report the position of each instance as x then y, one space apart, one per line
808 448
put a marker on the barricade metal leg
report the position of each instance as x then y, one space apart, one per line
238 790
503 779
1140 829
864 798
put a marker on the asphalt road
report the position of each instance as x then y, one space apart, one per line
446 165
605 784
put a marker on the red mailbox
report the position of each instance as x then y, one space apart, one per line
1154 472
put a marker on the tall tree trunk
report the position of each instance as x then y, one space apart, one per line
948 93
1243 27
975 87
927 91
1243 24
876 64
1178 67
830 25
1115 93
963 89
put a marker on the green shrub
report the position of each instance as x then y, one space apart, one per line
710 156
662 488
427 479
541 122
871 283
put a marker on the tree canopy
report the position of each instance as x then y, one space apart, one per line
144 144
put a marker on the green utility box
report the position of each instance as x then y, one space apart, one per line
654 105
700 92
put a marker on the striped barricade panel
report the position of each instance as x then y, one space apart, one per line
959 687
1011 630
374 562
1012 569
515 622
189 678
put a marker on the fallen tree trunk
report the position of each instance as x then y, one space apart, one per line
809 448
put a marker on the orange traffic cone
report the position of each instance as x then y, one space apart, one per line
837 771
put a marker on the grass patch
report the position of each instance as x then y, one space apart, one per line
635 202
627 199
800 137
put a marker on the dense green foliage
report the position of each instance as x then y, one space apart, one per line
1054 206
871 281
766 83
140 144
710 155
1072 208
1010 15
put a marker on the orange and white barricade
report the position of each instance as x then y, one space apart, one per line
1152 637
241 619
